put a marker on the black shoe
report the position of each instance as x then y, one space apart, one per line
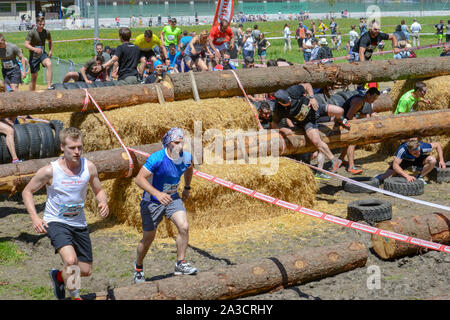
58 288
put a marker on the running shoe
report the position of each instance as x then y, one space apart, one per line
184 267
335 165
422 179
354 170
58 287
322 176
16 161
138 276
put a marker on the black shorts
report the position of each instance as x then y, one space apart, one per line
35 62
88 76
147 54
62 234
300 42
418 162
12 76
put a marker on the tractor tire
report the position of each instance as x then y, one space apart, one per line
353 188
57 126
47 140
401 186
21 142
35 140
369 210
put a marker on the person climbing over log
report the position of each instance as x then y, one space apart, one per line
414 153
64 221
221 38
9 55
301 113
87 73
159 178
351 107
7 129
410 99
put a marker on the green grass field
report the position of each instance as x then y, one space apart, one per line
82 51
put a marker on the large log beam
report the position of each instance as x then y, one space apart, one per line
252 278
433 227
110 164
223 84
362 131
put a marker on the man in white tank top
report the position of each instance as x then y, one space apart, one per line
67 180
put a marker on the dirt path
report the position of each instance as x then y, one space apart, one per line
24 274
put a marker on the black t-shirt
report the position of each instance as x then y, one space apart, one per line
128 55
439 28
298 98
296 91
366 41
333 27
365 109
324 53
262 44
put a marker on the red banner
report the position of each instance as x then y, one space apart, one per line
224 11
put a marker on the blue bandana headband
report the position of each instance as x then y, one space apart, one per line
172 135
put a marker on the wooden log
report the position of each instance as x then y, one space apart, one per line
54 101
362 131
262 80
251 278
383 103
433 227
110 164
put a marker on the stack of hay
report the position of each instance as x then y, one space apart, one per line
214 206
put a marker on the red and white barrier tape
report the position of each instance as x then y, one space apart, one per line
316 214
86 103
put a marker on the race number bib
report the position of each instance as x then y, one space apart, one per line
220 40
8 64
303 113
42 48
170 188
170 37
70 210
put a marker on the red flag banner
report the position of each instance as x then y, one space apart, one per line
224 11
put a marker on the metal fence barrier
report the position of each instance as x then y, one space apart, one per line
60 69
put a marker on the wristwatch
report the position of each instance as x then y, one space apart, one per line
187 187
311 97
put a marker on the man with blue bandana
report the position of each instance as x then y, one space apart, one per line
159 178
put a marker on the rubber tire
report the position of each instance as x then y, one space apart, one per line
369 210
443 175
47 140
6 156
82 85
59 86
337 100
353 188
93 84
21 142
401 186
35 140
71 85
105 84
347 94
320 98
57 126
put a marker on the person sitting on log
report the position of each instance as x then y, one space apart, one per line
302 113
417 154
87 73
351 107
148 44
364 46
409 100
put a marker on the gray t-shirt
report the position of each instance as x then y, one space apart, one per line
8 55
37 39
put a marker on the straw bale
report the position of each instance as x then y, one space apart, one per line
147 123
214 206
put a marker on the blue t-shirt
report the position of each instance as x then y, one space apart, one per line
403 153
166 172
185 41
173 58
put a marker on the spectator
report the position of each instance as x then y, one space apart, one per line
446 50
255 33
128 56
364 46
313 28
248 49
333 29
249 62
362 27
307 46
226 61
196 50
322 28
117 19
147 44
324 51
287 37
403 54
263 44
353 37
339 41
150 21
399 35
405 29
170 34
220 39
99 49
409 100
237 40
11 71
87 73
35 42
440 31
315 50
300 35
415 29
447 33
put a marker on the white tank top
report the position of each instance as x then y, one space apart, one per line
66 196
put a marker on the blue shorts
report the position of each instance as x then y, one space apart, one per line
152 212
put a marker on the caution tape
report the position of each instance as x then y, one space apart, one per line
316 214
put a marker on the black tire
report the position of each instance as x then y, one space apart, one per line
57 126
21 142
443 175
71 85
369 210
59 86
320 98
93 84
35 140
6 156
337 100
104 84
115 83
353 188
82 84
401 186
47 140
347 94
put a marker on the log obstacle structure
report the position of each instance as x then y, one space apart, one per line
114 163
251 278
222 84
362 131
433 227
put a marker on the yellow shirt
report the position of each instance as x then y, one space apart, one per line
144 45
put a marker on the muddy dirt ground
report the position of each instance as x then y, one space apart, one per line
418 277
